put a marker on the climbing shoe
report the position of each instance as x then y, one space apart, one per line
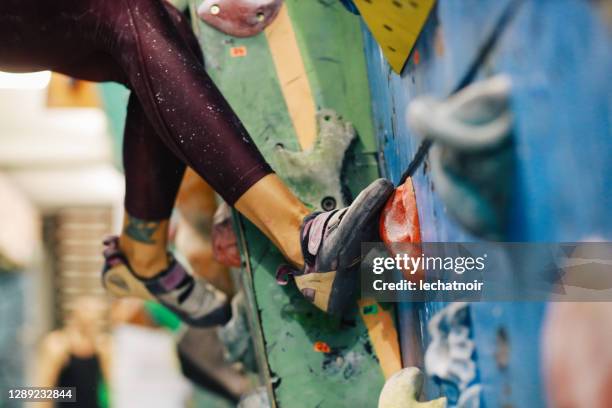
196 302
331 245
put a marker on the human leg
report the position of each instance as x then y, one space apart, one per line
197 125
158 52
138 262
153 176
325 248
211 138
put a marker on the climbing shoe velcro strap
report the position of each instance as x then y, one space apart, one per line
173 277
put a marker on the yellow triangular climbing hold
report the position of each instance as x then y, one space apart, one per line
396 25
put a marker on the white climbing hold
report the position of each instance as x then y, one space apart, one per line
449 355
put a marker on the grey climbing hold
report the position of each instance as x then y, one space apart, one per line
235 337
472 159
315 173
257 398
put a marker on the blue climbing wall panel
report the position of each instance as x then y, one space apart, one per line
558 54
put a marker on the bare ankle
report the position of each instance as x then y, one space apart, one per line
144 245
286 237
278 213
145 261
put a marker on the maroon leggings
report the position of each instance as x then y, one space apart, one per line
176 115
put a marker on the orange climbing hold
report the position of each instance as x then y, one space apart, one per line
399 223
400 218
321 347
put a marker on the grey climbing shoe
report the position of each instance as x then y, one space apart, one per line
331 245
196 302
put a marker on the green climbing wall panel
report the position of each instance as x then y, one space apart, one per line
313 360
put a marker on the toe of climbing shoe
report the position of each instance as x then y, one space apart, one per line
196 302
331 245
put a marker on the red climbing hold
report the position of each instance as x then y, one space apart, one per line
399 221
224 241
239 18
400 218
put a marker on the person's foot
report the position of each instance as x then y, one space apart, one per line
197 303
331 245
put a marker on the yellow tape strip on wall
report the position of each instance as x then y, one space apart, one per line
292 77
383 335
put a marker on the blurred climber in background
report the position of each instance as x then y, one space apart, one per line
177 118
186 360
77 355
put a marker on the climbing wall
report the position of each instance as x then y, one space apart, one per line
308 359
558 56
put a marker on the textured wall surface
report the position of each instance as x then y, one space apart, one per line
558 54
